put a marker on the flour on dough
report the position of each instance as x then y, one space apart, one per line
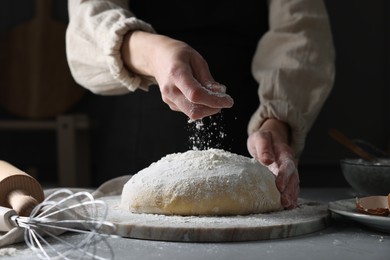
208 182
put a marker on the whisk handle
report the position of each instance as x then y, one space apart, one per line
5 219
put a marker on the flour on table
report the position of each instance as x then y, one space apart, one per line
207 182
9 251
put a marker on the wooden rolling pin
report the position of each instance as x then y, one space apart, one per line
18 190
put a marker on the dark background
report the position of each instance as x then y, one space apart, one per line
359 104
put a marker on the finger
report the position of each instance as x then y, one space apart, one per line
285 200
215 87
289 195
289 198
196 112
198 94
204 96
265 148
286 170
260 146
167 100
179 103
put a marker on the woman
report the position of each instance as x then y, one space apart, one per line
280 49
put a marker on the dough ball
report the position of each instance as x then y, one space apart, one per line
209 182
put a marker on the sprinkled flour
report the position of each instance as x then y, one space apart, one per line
206 133
208 182
306 218
10 251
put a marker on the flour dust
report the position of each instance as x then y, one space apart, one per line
207 133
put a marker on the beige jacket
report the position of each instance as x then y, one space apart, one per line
293 63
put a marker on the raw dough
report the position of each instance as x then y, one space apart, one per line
208 182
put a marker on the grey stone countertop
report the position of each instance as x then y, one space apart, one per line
343 239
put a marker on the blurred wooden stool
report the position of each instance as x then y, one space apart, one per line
73 150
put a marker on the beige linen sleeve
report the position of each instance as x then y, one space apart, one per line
294 65
93 40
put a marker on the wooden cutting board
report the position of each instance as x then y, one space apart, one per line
35 78
307 218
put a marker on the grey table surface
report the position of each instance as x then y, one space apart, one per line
343 239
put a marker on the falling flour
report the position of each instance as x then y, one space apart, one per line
206 133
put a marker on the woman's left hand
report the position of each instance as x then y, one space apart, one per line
270 146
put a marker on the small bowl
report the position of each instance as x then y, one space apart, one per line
367 178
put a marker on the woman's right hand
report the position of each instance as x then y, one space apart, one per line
182 74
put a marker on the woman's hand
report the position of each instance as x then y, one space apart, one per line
270 146
182 74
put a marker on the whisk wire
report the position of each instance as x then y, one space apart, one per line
65 211
33 239
48 211
81 247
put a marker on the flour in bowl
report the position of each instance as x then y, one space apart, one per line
206 182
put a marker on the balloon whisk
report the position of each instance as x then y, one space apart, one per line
64 211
